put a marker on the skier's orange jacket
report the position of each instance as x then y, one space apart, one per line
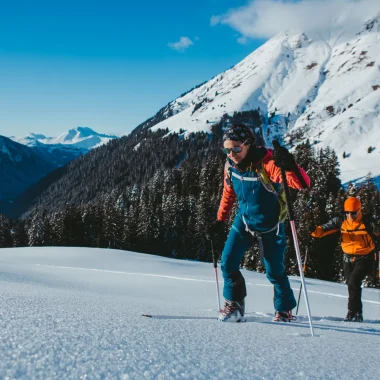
356 239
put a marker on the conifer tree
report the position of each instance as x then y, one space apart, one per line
36 229
20 238
5 232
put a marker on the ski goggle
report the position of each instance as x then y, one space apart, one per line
234 149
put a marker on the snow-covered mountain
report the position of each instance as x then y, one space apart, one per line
321 86
26 160
76 313
79 138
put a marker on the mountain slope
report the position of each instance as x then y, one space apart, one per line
58 154
324 87
20 167
130 161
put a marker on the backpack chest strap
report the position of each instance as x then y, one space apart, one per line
242 178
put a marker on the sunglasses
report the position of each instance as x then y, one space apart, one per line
234 149
351 212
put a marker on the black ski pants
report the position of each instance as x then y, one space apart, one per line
355 269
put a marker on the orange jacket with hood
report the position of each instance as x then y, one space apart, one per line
356 237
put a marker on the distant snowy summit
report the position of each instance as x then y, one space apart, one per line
319 86
82 138
25 160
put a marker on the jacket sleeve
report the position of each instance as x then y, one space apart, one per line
328 228
274 173
227 201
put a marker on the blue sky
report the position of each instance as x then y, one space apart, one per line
106 64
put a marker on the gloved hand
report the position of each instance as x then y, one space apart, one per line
282 158
215 228
318 232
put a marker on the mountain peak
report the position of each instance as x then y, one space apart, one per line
35 136
86 131
318 86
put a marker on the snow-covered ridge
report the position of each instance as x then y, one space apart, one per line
80 138
325 87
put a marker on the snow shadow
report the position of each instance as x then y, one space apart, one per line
303 323
183 317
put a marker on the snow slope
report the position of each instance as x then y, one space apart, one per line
321 86
76 313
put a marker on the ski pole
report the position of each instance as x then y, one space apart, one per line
303 270
215 261
276 145
378 271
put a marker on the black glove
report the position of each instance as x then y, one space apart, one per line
282 158
214 229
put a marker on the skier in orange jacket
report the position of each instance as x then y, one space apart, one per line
358 248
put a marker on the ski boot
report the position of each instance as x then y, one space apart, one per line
358 317
350 316
283 316
233 311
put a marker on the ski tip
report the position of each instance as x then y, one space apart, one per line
146 315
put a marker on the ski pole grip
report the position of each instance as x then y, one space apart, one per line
276 146
285 185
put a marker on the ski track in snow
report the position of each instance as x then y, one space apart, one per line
190 279
76 313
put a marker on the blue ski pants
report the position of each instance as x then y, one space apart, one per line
274 243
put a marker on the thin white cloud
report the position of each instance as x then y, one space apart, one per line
266 18
215 20
182 44
242 40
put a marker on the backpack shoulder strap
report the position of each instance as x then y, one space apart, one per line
270 187
227 169
264 176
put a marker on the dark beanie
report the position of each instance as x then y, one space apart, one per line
239 132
